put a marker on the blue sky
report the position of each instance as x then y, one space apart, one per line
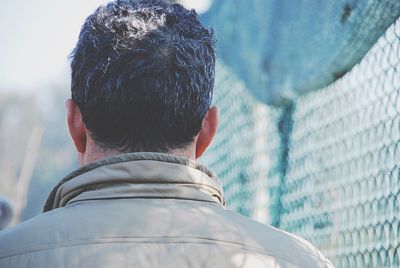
38 35
36 39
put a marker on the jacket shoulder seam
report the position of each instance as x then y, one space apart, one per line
154 240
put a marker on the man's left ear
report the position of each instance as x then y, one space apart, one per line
207 132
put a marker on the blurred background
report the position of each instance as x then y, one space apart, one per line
309 98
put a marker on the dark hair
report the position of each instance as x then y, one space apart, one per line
143 75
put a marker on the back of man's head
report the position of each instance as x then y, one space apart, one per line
143 75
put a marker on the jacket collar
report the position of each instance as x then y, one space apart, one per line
137 175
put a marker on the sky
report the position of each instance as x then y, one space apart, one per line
37 37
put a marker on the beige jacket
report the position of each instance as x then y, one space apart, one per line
147 210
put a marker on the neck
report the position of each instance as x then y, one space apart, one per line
95 152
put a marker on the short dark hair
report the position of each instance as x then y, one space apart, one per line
143 75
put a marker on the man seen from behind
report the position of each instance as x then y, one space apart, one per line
140 115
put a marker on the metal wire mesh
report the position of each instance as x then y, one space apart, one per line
327 168
341 189
240 154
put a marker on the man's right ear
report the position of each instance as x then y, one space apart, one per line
76 127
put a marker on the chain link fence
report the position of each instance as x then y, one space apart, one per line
326 167
343 178
240 154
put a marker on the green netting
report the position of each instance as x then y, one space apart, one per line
326 168
282 48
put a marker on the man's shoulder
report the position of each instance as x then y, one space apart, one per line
26 235
278 243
